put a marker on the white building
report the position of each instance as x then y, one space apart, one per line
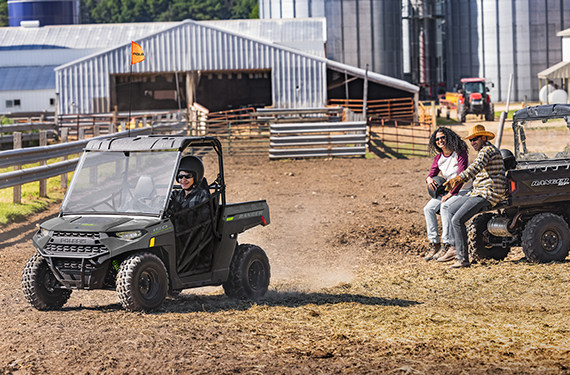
558 74
219 64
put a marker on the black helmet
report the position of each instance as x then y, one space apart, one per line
193 165
439 190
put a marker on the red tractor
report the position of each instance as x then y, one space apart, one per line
474 98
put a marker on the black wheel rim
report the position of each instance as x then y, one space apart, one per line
256 275
550 240
50 282
148 281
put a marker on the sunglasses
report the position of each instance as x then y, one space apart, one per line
437 139
181 176
475 139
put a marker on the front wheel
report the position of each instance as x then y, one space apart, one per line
481 243
546 238
249 273
490 115
142 282
41 289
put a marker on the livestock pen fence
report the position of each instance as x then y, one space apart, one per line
45 161
398 139
340 129
81 126
394 128
278 133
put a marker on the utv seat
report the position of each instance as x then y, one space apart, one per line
534 156
562 155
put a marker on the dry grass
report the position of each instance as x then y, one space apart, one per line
384 309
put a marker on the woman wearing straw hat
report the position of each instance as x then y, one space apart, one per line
489 188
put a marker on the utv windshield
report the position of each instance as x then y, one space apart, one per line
121 183
537 140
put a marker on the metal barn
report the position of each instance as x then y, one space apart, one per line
218 68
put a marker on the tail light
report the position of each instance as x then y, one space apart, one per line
488 99
461 99
512 186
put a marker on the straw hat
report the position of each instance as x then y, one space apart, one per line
477 130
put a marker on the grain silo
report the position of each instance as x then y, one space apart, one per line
497 38
47 12
359 33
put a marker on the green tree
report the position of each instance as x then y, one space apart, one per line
196 10
107 11
242 9
255 11
4 13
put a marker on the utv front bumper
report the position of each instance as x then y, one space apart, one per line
79 260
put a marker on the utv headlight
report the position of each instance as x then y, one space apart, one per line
42 232
130 235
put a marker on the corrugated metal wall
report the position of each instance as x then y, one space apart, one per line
297 79
359 32
308 35
494 38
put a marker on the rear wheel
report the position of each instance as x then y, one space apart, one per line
481 243
249 273
142 282
41 289
546 238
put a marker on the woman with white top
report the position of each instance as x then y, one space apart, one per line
450 160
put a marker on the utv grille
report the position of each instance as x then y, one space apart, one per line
75 243
72 265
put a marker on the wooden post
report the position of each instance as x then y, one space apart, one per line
64 139
113 120
365 94
433 115
96 130
17 189
43 183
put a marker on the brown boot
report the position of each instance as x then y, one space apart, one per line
460 264
451 254
442 251
432 250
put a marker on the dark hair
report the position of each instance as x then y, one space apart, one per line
452 140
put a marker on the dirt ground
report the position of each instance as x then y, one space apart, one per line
350 293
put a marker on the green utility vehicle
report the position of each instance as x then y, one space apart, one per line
117 229
536 214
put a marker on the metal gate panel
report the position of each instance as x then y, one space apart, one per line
306 139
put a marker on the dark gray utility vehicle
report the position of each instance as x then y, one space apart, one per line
117 230
536 215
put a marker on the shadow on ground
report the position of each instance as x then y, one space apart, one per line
214 303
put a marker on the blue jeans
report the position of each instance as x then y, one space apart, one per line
430 213
461 210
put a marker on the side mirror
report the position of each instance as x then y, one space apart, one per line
487 89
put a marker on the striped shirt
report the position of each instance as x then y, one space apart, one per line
489 172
